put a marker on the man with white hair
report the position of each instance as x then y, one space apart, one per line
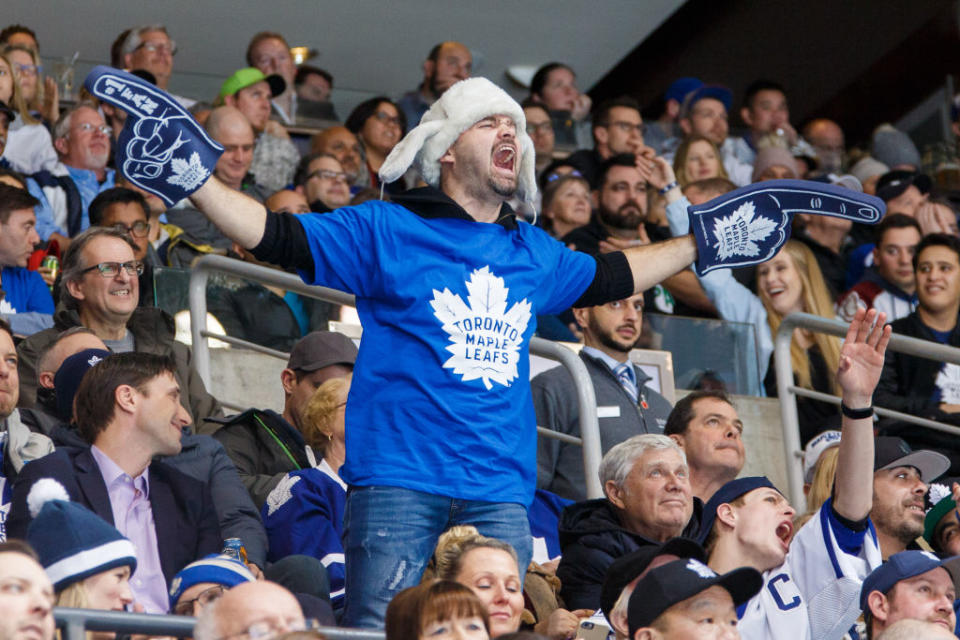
648 501
448 286
82 141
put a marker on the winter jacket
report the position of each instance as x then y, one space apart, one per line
908 383
264 447
153 332
560 465
592 537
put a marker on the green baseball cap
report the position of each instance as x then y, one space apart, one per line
249 76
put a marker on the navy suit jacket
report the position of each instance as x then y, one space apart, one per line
183 512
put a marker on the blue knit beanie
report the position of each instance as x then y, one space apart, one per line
222 570
73 542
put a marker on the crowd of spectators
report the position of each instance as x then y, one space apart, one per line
384 495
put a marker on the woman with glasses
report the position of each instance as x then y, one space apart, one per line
40 93
202 582
29 147
304 512
379 124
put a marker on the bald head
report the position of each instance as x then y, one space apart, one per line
826 137
251 603
224 119
231 128
68 343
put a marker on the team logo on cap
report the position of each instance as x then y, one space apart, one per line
701 569
175 585
94 360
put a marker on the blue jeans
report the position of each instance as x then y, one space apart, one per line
389 535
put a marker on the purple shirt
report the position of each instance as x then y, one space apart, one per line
133 517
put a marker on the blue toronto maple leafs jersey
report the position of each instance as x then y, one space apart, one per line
440 400
304 515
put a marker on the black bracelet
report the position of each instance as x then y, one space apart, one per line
667 188
856 414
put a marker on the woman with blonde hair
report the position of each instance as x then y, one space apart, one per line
790 282
697 158
437 610
39 94
489 567
304 512
29 147
88 561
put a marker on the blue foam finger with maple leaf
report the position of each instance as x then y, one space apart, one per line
162 148
749 225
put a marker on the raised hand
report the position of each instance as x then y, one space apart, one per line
861 358
661 173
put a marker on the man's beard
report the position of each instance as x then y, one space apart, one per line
894 523
502 187
608 339
630 216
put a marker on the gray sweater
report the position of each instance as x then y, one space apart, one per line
560 465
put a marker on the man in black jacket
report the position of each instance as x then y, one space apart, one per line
648 501
626 406
265 445
920 386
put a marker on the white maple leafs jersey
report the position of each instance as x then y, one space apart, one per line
440 399
815 593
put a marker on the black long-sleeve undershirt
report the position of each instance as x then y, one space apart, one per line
285 243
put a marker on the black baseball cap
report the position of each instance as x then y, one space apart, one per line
890 452
320 349
894 183
679 580
626 568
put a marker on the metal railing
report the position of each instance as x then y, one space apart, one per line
788 392
74 624
207 265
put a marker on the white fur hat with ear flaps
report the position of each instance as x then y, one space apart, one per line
459 108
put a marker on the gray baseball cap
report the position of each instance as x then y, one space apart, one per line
321 349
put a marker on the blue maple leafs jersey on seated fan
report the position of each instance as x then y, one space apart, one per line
440 399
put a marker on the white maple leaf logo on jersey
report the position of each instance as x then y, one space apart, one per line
738 233
485 337
948 381
188 175
938 492
6 307
700 569
281 493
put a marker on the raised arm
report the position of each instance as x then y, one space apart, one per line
238 216
654 263
861 361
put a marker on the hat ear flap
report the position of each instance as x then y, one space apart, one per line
404 152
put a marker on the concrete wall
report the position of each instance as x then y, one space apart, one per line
253 380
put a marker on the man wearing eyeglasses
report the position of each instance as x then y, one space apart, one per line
150 48
617 128
321 178
101 291
253 610
82 141
126 211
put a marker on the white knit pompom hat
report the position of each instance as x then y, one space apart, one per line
459 108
